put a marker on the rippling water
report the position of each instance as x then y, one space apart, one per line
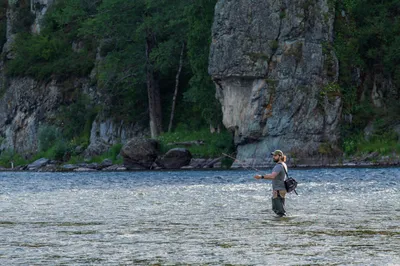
340 217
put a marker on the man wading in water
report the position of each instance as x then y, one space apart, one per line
278 185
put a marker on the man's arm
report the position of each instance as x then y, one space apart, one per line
267 176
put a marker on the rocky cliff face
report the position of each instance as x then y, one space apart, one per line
274 71
26 104
39 7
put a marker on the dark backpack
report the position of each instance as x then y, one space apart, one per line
290 182
291 185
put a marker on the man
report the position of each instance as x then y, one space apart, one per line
278 185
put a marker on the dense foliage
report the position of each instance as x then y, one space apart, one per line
140 46
367 45
122 30
50 53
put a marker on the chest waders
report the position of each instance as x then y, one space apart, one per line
278 202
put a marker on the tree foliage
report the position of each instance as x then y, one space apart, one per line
201 91
138 45
121 29
51 53
123 26
367 44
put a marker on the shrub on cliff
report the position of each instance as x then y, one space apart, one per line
45 56
9 159
205 144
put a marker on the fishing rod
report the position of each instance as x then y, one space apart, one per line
243 164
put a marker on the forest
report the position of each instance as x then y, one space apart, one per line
154 59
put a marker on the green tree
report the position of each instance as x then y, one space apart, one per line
152 52
201 92
144 43
367 45
140 34
50 53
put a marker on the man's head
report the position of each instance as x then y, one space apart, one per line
277 155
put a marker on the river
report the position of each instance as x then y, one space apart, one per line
348 216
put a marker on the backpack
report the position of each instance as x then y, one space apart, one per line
290 182
291 185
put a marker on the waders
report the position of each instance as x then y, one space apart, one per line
278 202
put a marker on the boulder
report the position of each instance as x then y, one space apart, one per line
48 168
115 167
198 163
69 167
140 153
96 148
175 159
37 164
94 166
106 163
83 169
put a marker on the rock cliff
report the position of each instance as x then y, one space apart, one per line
23 106
26 104
275 72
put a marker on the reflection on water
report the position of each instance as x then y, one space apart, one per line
340 217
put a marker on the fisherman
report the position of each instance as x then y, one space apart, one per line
278 185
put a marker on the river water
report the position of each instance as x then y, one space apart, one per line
340 217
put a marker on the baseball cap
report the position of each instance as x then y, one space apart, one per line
277 152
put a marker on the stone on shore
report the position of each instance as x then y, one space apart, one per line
38 164
140 153
175 159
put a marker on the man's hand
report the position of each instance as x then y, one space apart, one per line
257 176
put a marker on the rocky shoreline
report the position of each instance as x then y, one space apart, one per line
144 154
46 165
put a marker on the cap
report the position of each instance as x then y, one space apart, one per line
277 152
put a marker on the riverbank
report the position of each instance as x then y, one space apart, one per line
46 165
370 160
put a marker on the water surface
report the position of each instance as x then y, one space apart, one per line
340 217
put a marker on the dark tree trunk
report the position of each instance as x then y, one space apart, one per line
153 91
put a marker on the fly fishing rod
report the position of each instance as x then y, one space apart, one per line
243 164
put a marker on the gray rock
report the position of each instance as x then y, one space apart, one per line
48 168
140 153
212 163
96 148
217 165
69 166
79 150
24 105
271 62
106 163
107 132
115 167
93 166
188 167
197 162
83 169
37 164
175 159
